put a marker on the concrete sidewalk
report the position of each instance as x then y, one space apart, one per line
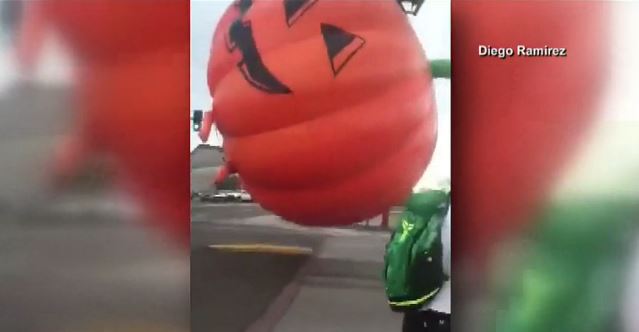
343 290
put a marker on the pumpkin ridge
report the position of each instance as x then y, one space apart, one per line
373 163
411 128
266 191
376 90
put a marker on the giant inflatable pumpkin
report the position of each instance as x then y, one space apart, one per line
518 121
132 87
221 62
328 113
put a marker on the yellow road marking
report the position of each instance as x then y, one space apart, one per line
124 326
263 248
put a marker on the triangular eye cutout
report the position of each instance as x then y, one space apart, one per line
341 46
294 9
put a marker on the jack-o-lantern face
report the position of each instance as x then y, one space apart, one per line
328 113
221 62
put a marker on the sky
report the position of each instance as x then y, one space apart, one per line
432 26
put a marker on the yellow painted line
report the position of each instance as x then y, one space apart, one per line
263 248
124 326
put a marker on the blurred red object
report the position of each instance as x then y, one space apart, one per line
132 94
113 30
517 121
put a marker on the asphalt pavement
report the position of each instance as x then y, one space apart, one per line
69 267
320 279
76 261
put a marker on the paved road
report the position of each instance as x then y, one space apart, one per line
201 212
336 288
88 270
31 120
74 263
230 291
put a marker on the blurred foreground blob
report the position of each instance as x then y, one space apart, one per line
573 269
132 91
321 132
574 273
521 118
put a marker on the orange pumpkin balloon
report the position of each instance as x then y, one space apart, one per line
329 114
220 63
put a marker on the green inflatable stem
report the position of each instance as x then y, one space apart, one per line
440 68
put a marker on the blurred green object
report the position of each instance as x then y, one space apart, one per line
571 277
440 68
414 271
